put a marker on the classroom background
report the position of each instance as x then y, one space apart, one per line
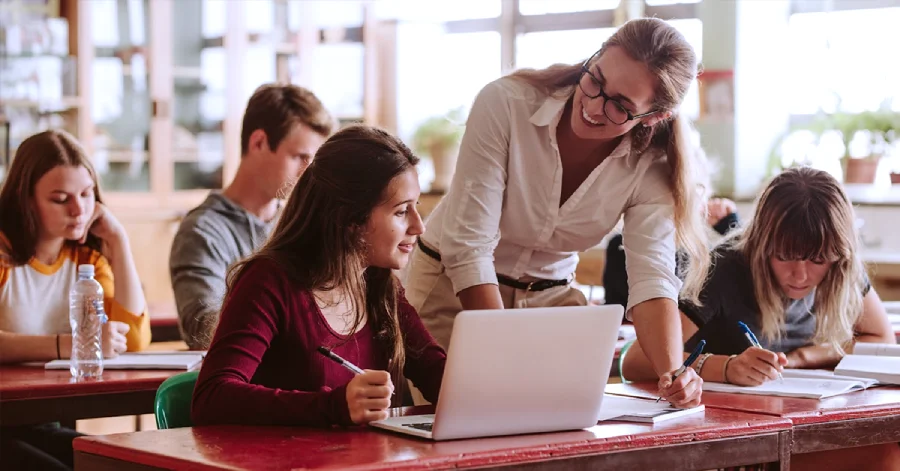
155 90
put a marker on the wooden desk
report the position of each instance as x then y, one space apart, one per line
718 438
856 419
33 395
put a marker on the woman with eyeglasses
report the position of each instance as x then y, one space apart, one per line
551 159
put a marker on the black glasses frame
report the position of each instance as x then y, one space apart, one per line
606 98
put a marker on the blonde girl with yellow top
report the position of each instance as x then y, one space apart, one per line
52 219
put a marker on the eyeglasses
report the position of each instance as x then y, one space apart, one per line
612 108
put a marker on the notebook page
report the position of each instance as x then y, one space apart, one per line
137 361
877 349
825 374
884 369
791 387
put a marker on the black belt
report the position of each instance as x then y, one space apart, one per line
537 285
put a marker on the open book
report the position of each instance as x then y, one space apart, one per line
142 361
872 360
629 409
813 388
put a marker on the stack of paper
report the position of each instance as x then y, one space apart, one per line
143 361
629 409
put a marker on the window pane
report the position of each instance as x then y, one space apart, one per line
337 78
197 145
438 73
438 10
692 29
540 7
214 18
120 97
324 13
654 3
260 16
538 50
836 62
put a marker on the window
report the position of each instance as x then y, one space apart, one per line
540 7
838 61
543 49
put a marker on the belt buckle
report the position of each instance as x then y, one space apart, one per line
530 285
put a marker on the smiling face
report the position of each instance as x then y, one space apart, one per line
621 78
64 198
394 224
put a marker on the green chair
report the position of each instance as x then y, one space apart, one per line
172 405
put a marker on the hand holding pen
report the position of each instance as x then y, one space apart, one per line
677 383
755 365
368 393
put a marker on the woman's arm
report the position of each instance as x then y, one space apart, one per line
873 326
471 228
248 324
19 348
636 365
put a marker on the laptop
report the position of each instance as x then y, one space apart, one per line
517 371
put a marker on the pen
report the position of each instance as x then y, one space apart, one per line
753 341
696 353
337 359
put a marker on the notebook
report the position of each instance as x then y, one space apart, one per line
826 374
812 388
877 361
142 361
629 409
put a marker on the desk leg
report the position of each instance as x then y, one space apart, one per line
785 440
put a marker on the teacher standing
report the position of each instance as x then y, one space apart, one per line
550 160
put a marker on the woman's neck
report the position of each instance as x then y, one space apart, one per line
47 251
575 148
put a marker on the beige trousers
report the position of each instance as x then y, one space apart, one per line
429 290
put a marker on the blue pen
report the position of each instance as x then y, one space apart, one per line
753 341
696 353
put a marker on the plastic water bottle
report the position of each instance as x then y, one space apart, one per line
86 316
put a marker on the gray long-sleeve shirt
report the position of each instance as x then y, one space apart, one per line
211 238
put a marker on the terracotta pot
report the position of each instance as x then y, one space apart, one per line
860 170
444 160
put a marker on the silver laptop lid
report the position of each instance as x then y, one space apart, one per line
531 370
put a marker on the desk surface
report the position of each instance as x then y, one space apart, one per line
859 418
873 402
19 382
236 447
33 395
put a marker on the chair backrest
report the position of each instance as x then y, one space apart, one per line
172 406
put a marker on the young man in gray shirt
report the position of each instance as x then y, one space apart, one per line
282 128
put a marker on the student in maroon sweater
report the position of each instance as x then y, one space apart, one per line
324 279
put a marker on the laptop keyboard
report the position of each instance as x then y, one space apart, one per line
423 426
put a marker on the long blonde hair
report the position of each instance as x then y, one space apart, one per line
673 62
804 214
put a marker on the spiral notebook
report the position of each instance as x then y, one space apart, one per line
142 361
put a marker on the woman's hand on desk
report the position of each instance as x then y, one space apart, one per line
685 391
369 396
114 338
755 366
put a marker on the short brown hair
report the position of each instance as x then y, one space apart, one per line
276 108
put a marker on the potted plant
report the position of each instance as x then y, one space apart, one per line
881 127
438 137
